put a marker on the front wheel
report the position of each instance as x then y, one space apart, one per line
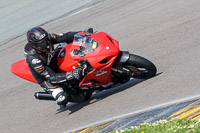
140 67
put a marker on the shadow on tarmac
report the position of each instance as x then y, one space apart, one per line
73 107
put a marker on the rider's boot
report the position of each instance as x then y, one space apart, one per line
62 98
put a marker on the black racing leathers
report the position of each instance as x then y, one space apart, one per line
43 65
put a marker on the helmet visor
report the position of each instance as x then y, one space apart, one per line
42 46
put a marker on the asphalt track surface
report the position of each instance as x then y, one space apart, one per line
17 16
165 32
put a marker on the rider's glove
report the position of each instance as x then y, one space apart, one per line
77 73
89 30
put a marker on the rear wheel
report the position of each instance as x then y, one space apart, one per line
140 67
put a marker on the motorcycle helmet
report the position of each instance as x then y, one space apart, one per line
39 39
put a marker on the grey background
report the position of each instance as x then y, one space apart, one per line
18 16
165 32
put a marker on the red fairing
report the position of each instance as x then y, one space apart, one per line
101 58
21 69
67 62
107 49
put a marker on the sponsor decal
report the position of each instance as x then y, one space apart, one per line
61 98
38 66
87 83
35 61
101 72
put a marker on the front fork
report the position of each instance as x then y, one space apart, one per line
118 64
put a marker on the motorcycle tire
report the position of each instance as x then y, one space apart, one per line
148 68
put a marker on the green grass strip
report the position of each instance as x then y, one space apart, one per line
174 126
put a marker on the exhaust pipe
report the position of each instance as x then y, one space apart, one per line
44 96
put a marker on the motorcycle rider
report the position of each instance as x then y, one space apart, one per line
41 58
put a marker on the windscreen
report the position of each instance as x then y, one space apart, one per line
84 43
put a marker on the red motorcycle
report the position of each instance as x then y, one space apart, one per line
103 63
